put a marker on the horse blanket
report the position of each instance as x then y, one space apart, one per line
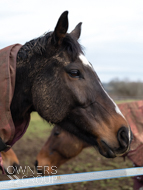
133 112
9 132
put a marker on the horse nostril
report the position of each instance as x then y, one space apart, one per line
16 166
123 137
36 163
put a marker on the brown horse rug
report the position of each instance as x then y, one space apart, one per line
9 132
133 112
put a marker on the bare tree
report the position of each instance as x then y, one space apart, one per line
125 88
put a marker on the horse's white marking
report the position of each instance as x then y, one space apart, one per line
117 111
84 60
116 107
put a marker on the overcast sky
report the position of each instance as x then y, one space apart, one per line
112 30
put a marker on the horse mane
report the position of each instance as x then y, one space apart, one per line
38 46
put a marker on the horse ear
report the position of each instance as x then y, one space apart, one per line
77 31
61 28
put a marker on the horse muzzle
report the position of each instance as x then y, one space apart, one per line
124 137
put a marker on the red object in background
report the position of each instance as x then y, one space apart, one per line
133 112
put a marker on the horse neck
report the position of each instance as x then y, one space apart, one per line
22 101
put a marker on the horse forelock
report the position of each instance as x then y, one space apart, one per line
72 47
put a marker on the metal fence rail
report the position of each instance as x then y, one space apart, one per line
69 178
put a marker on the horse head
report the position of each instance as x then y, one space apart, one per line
60 147
63 87
10 162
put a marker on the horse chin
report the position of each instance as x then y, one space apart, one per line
108 152
102 147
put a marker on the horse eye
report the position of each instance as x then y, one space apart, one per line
74 73
56 133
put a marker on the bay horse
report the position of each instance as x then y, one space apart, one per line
54 78
60 147
10 161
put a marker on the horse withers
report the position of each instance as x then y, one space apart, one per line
54 78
